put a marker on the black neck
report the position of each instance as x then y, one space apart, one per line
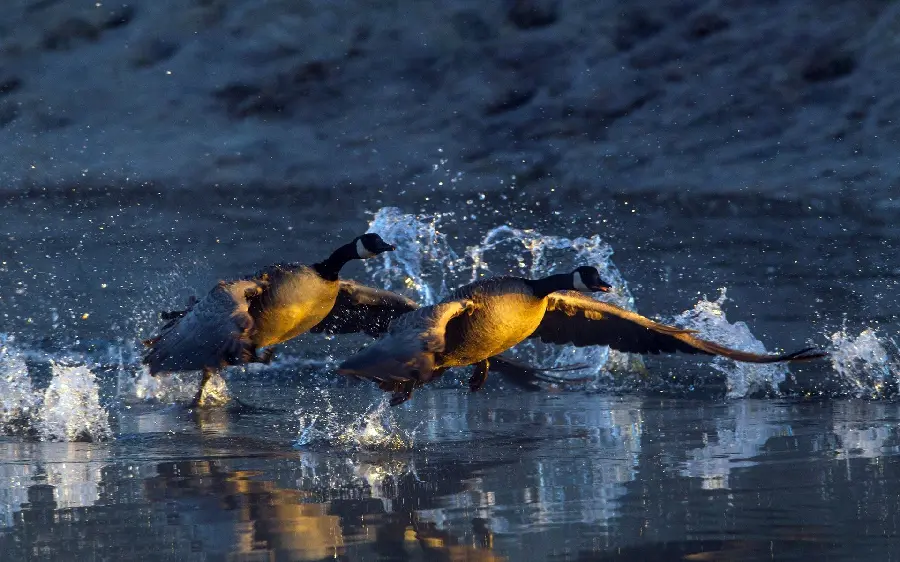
544 286
331 267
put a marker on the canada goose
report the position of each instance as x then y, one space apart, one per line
487 317
237 318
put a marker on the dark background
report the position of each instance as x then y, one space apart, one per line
671 99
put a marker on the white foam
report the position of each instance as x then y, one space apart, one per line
426 265
71 409
864 365
742 379
375 429
18 400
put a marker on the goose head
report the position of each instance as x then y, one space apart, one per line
587 280
370 245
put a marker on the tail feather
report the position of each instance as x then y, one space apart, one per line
527 376
172 314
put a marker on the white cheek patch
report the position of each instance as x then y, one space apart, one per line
363 252
578 284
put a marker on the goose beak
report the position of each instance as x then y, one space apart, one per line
602 287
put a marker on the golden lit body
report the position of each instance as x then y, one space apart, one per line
497 324
297 300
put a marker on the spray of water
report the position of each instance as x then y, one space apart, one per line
425 265
173 387
67 410
18 400
865 367
742 379
71 409
375 429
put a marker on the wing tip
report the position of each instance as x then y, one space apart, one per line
805 354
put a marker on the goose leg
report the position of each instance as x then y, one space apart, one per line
402 393
479 375
265 357
197 402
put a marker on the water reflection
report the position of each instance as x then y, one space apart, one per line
739 437
491 477
66 475
748 432
865 429
347 514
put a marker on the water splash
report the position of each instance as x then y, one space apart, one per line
376 429
425 264
505 250
166 389
529 253
741 379
174 387
864 366
424 261
71 409
18 400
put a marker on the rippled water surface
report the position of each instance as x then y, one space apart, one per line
651 459
499 476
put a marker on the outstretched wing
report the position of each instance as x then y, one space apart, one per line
359 308
573 318
213 332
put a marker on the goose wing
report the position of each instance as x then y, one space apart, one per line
429 324
212 332
359 308
573 318
406 352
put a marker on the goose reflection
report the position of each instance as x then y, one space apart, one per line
362 509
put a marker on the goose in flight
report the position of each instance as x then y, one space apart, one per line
236 319
482 319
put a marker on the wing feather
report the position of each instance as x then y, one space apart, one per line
573 318
407 351
213 332
359 308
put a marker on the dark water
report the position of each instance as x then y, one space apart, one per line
500 476
662 470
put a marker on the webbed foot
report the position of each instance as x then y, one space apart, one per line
479 375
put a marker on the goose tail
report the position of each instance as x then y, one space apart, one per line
527 376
